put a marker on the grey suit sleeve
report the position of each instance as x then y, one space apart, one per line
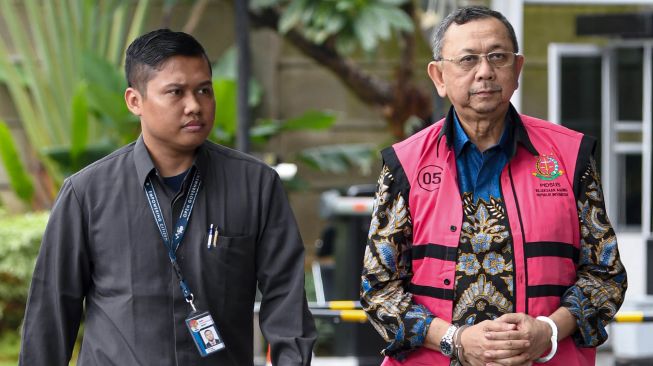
60 281
285 320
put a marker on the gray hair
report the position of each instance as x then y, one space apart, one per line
464 15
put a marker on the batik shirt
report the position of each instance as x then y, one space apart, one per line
484 272
593 300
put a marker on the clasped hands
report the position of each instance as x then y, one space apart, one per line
512 339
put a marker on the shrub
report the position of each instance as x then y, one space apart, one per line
20 239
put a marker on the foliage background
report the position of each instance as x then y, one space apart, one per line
20 238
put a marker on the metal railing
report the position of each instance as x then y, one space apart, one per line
351 311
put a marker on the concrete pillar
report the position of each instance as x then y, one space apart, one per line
514 11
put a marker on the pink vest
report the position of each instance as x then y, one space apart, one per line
538 191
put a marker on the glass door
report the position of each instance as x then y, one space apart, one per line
607 92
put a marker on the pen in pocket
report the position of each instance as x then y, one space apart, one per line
215 237
210 239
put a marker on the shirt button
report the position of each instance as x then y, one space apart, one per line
447 282
452 228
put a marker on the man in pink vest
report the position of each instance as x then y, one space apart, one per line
489 242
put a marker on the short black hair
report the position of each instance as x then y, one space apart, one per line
148 52
464 15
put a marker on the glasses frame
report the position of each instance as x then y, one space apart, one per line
457 60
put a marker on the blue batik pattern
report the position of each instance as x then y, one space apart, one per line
387 269
599 291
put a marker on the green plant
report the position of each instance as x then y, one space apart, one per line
328 30
357 23
9 348
340 158
19 180
331 158
54 62
97 102
225 89
20 238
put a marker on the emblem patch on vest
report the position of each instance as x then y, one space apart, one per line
547 167
430 177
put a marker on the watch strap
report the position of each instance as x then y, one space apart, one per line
446 343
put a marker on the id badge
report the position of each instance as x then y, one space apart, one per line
204 333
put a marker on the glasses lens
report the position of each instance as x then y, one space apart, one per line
496 59
468 62
501 59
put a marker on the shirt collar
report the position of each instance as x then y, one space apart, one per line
142 160
145 166
514 133
460 138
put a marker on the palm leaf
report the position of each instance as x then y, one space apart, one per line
45 53
79 130
340 158
18 178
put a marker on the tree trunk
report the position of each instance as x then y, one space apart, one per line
398 100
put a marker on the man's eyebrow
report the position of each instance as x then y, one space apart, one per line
173 85
490 49
181 85
498 46
467 50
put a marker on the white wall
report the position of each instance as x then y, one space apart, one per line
632 248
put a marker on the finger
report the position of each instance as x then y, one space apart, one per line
494 326
521 345
505 335
501 354
520 359
471 361
511 318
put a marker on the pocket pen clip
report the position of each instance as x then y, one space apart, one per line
216 233
209 241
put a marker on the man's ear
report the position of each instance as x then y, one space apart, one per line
435 73
519 64
134 101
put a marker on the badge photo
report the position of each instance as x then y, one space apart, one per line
204 333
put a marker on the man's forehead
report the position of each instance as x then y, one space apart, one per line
180 63
489 33
182 70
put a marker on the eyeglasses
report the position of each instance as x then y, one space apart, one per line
470 61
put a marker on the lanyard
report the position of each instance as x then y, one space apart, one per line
180 228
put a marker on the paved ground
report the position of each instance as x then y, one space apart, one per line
603 359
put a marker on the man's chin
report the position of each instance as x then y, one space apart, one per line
193 140
490 107
186 146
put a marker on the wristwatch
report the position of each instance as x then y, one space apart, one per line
446 343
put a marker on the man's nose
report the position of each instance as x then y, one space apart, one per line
192 104
484 70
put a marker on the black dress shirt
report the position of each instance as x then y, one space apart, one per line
102 255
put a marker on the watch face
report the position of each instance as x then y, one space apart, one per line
446 343
446 349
